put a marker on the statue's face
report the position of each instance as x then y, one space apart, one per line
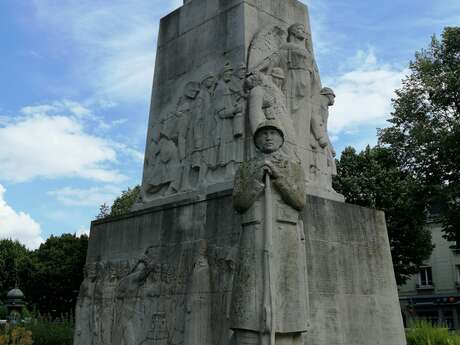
192 92
241 72
331 99
90 271
268 140
278 82
299 32
209 82
251 81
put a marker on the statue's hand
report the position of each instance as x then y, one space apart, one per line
271 169
238 108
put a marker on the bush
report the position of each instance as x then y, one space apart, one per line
3 312
51 332
16 336
424 333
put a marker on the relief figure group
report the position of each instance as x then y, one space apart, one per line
202 142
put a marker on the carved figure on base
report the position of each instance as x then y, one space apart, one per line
323 162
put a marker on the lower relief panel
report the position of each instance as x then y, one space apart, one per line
164 276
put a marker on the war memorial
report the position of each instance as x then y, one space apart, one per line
238 236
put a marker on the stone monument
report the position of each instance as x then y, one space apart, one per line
238 236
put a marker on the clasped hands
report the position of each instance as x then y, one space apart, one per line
271 169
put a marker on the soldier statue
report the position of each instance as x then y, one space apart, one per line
269 297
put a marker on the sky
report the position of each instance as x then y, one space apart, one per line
76 81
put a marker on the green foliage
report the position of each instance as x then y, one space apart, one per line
47 332
424 333
16 336
55 272
373 178
25 314
12 253
424 134
3 312
122 204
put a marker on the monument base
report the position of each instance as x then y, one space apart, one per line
163 275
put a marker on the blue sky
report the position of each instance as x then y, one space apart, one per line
76 81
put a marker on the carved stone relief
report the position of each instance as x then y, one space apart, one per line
155 299
283 61
202 141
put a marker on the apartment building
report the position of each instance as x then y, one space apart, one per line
434 293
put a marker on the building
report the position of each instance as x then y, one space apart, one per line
434 293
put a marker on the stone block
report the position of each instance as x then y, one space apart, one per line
188 252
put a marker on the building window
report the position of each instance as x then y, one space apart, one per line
457 282
425 277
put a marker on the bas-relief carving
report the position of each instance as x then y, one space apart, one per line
202 142
289 53
155 299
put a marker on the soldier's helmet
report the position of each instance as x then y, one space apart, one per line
277 73
269 124
327 91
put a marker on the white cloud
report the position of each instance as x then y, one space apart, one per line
113 42
52 141
86 197
18 225
82 231
363 92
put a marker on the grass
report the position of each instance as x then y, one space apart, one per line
51 332
424 333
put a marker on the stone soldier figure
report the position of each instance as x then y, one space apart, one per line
269 297
267 102
321 145
226 109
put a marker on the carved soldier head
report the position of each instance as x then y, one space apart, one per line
241 71
208 81
90 271
252 80
227 72
329 94
191 89
269 137
297 30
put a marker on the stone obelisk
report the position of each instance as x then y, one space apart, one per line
238 236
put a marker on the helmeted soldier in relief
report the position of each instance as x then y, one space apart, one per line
269 298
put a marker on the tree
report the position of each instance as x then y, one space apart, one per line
424 134
11 255
121 205
52 274
373 178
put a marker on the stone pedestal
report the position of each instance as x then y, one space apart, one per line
164 275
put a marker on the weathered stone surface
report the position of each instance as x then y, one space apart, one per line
237 92
187 253
200 124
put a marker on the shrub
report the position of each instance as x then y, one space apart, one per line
424 333
51 332
16 336
3 312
